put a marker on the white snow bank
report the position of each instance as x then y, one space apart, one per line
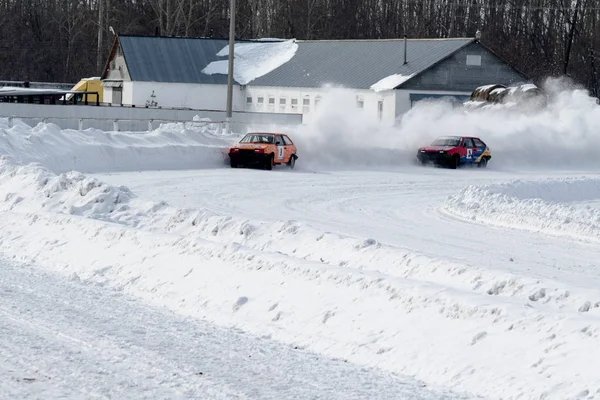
541 206
197 144
343 297
562 135
390 82
253 60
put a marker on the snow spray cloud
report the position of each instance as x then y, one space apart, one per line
565 133
341 135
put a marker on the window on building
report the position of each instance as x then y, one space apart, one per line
249 99
260 100
474 60
317 101
282 101
271 100
306 102
360 103
294 102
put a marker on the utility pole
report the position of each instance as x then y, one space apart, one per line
100 36
230 69
594 76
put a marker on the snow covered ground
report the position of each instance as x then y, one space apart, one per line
482 282
72 339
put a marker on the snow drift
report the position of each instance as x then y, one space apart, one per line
541 206
191 145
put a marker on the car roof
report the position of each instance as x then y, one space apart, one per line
449 137
265 133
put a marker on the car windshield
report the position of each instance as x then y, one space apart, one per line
258 138
446 142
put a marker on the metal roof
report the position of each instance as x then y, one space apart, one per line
350 63
167 59
358 63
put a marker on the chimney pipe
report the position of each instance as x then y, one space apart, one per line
405 61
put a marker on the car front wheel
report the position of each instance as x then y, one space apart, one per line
269 162
454 163
292 162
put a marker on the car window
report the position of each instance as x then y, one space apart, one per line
479 144
279 140
257 138
446 142
287 141
469 143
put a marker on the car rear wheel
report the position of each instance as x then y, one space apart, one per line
482 163
233 164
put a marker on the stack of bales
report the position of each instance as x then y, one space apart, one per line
499 95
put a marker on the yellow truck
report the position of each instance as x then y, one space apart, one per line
87 85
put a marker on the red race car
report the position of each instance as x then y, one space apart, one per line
454 151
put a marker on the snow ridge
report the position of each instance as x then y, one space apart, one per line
541 206
195 144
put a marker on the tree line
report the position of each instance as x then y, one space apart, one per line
65 40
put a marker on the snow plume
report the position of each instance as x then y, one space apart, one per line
563 134
340 135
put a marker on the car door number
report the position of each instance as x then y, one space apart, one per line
280 150
469 153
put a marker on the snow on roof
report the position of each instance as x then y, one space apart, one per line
487 87
528 86
253 60
390 82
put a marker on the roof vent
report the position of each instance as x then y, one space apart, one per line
405 45
478 34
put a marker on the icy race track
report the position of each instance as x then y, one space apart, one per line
155 271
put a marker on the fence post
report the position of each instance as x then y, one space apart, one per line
116 125
10 122
80 124
150 126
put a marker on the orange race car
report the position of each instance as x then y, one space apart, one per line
263 149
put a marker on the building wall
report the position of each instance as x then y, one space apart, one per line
467 69
404 102
118 67
127 98
307 101
181 95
